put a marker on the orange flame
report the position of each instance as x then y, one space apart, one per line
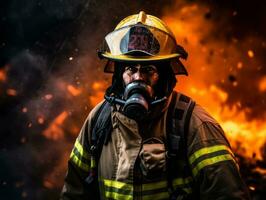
40 120
98 88
73 90
24 109
262 84
54 130
11 92
48 96
250 53
3 75
246 137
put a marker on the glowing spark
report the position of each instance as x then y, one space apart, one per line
40 120
30 125
252 188
73 91
11 92
2 75
239 65
70 58
48 184
250 53
48 96
262 84
98 88
24 110
235 83
222 96
97 85
54 130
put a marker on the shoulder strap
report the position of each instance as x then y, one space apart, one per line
182 114
178 118
100 134
179 114
101 125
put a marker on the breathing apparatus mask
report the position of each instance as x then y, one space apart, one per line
137 100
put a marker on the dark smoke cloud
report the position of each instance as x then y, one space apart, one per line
39 37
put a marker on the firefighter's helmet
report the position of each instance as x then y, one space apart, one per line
142 38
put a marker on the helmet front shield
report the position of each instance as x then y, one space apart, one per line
141 43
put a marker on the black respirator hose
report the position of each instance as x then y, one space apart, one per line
113 100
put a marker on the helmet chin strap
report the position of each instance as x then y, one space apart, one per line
113 100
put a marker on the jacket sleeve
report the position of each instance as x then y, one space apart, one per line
213 164
75 187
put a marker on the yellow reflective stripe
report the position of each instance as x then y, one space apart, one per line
78 162
124 190
118 196
187 190
81 150
153 186
208 150
118 185
182 181
210 161
156 196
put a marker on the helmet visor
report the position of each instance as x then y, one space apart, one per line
139 40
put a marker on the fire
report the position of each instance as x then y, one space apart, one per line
262 84
98 90
40 120
11 92
250 53
2 75
207 71
73 90
54 130
246 137
48 96
239 65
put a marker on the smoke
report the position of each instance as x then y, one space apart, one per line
53 78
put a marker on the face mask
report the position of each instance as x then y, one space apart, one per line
137 100
137 97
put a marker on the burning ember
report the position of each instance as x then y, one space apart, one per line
55 129
73 90
11 92
2 75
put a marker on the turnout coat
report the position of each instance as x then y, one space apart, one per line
133 163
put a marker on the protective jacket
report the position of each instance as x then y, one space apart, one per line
133 164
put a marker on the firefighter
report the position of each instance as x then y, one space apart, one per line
146 141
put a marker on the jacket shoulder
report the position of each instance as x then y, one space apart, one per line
200 116
204 129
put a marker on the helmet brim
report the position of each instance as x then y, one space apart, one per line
142 58
177 66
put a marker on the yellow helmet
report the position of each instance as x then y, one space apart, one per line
142 38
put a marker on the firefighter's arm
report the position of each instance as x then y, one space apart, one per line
214 166
75 185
